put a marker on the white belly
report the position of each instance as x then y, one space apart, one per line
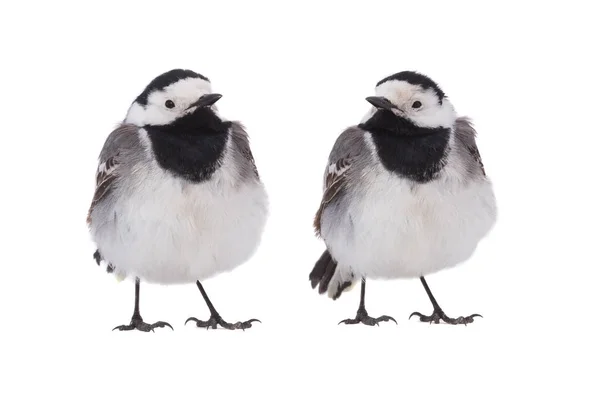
171 231
393 231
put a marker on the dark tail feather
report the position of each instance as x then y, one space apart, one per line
323 272
341 289
98 257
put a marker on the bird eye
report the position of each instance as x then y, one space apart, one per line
169 104
417 104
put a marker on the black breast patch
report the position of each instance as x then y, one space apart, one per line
192 147
406 149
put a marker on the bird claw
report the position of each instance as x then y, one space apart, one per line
438 315
418 314
191 319
140 325
364 318
216 320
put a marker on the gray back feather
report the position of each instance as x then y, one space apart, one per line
466 147
242 155
121 152
347 161
123 140
350 146
350 143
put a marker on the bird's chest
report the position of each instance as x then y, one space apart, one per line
399 228
391 204
391 208
181 207
192 154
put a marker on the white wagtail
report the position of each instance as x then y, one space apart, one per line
405 194
178 197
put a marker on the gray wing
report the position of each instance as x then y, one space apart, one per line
344 160
242 153
466 135
115 153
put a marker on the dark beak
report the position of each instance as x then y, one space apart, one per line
206 100
381 102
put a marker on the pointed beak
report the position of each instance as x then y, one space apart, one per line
206 101
381 102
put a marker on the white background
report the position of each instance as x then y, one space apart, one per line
297 75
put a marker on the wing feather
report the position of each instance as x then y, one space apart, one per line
466 134
335 181
125 136
242 145
341 162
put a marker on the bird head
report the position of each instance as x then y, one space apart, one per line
414 97
170 96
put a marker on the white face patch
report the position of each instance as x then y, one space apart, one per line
430 114
182 93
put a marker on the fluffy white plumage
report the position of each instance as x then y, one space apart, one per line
173 231
406 230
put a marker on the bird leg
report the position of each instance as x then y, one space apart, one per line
361 314
136 320
438 314
215 319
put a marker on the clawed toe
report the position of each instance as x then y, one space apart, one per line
196 320
140 325
463 320
124 328
211 323
241 325
385 318
216 321
439 315
247 324
161 324
363 318
418 314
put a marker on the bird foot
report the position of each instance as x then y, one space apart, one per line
440 315
216 320
138 324
363 317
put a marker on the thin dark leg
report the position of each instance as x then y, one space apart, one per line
363 285
438 314
215 319
136 319
211 308
361 314
136 310
435 304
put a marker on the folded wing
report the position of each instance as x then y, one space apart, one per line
342 160
466 136
123 140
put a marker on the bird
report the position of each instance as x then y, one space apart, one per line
405 195
178 196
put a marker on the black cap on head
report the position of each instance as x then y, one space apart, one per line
166 79
415 78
